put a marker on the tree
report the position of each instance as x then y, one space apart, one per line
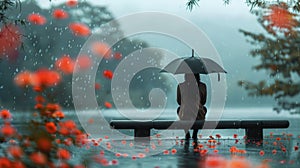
295 5
279 53
45 43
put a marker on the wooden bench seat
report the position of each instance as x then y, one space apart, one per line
253 128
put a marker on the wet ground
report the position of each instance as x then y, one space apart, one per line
220 148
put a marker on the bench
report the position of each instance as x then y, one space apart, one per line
253 128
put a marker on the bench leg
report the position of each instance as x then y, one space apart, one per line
142 134
254 134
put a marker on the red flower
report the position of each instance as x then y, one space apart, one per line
44 144
63 154
15 151
64 131
40 99
10 39
58 114
60 14
118 55
5 163
238 163
8 130
84 62
47 77
107 105
38 158
79 29
26 78
101 49
97 86
65 64
17 164
53 107
280 17
108 74
69 124
50 127
36 19
262 153
214 161
71 3
5 114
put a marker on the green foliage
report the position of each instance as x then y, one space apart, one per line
8 6
279 54
295 5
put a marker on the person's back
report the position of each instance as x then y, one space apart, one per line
190 101
191 96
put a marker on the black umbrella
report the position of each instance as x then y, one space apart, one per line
194 65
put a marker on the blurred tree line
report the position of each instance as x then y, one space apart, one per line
42 45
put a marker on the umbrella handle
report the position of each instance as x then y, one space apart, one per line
192 52
219 77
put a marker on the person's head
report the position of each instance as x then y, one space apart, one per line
192 77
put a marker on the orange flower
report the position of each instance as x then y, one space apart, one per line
36 19
118 55
214 162
97 86
47 77
50 127
8 130
44 144
69 124
58 114
40 99
107 104
108 74
65 64
80 29
71 3
10 39
262 153
5 114
60 14
26 78
5 163
17 164
280 17
239 163
38 158
15 151
64 131
63 154
101 49
53 107
84 62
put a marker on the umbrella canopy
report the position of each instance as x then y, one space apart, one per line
194 65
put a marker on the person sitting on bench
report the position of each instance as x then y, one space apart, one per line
191 98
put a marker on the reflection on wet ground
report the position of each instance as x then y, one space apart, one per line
225 148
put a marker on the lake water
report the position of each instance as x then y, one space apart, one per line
169 150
